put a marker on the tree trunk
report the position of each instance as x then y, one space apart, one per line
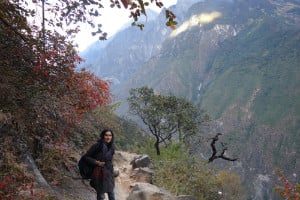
156 145
180 136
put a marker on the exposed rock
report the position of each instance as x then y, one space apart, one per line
147 191
116 172
143 175
39 178
141 161
261 186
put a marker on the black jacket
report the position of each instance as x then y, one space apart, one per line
102 178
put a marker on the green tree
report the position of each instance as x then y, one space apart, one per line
164 116
185 115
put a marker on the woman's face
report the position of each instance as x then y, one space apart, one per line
107 137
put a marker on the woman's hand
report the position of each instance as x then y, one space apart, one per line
100 164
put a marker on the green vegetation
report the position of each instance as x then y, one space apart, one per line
178 172
261 65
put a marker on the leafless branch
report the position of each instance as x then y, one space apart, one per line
214 150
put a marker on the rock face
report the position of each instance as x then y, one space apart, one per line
124 55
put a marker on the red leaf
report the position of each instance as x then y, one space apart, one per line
2 185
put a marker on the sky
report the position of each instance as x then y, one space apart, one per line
112 20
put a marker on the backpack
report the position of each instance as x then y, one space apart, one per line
85 169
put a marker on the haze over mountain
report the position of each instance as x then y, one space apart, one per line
240 60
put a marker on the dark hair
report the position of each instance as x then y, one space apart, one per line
111 144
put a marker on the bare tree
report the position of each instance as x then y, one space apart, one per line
214 150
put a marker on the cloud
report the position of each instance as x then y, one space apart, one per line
195 20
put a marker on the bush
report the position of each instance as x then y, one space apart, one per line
181 174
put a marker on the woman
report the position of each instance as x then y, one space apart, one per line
100 155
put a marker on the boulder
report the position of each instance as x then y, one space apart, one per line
116 172
141 161
143 174
147 191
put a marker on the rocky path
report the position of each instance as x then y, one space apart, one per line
130 184
124 180
78 189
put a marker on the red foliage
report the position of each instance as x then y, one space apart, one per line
80 91
288 191
92 91
41 88
10 188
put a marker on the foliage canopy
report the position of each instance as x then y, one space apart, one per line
68 15
165 116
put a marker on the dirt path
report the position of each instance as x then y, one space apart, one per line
123 181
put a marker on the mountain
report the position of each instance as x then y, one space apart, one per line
241 61
129 48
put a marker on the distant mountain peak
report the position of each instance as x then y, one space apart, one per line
184 5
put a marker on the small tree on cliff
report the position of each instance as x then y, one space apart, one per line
164 116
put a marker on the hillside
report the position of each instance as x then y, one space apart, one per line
240 60
254 96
